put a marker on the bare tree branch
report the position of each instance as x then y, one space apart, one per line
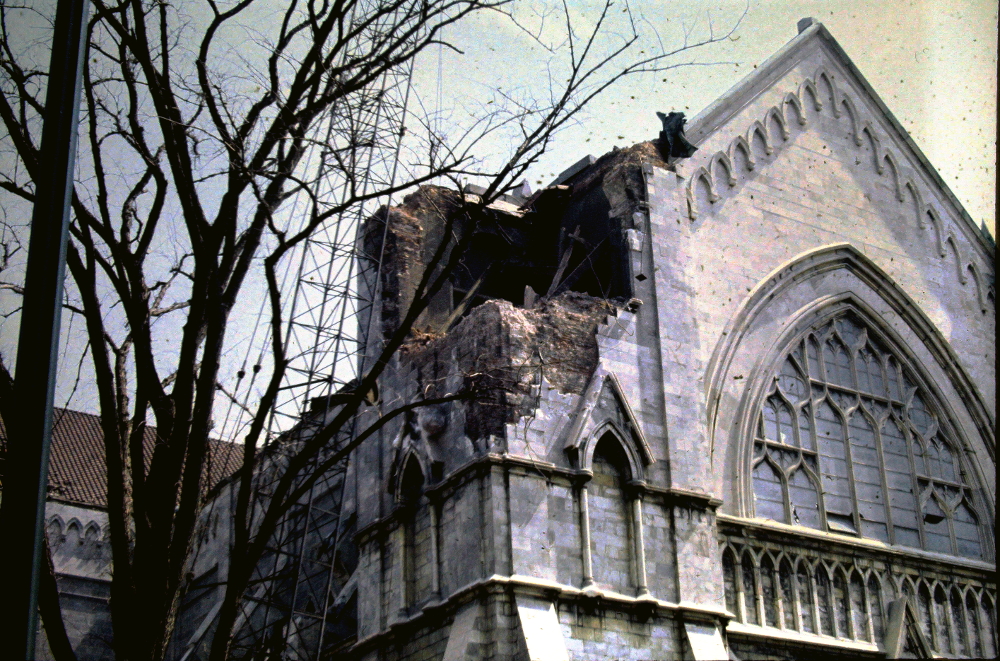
195 181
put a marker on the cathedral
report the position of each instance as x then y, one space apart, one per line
733 398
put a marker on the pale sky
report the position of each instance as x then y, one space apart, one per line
933 62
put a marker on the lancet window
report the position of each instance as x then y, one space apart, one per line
611 546
847 441
611 522
417 538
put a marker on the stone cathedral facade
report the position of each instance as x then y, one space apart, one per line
737 405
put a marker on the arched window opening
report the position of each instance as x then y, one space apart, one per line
729 581
920 417
610 538
778 422
54 530
859 607
926 614
875 607
869 368
867 472
417 536
769 492
958 621
935 523
832 438
793 381
769 591
824 602
942 624
803 495
73 534
806 435
988 613
812 350
907 589
847 441
787 580
749 589
805 593
837 362
967 532
972 620
842 604
899 478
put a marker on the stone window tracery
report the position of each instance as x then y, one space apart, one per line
829 593
846 441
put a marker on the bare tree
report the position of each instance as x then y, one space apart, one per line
197 134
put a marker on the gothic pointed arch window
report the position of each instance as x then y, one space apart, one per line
847 440
417 536
611 547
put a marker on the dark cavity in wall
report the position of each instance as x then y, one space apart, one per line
569 237
558 241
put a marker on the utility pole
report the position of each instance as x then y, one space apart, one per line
22 513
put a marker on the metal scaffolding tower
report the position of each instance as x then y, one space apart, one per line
300 603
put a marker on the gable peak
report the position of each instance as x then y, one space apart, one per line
806 23
835 86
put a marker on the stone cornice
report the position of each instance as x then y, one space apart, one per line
771 634
589 598
761 529
684 497
572 477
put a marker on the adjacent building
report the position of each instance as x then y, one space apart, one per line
77 527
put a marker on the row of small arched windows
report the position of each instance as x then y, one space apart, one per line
825 597
74 532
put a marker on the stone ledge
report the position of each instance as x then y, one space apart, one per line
771 634
534 467
676 496
519 584
787 533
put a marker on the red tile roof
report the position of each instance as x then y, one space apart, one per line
76 462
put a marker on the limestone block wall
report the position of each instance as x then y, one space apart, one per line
462 558
511 515
806 194
611 634
810 162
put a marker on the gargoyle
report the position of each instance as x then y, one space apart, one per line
673 144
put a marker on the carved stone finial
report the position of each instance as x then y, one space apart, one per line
673 144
